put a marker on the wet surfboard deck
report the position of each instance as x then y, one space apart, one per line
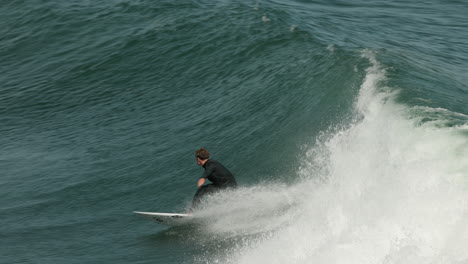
169 219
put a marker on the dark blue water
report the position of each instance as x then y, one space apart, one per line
345 124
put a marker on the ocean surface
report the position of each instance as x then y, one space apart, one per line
345 124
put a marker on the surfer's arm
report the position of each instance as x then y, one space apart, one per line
200 182
206 175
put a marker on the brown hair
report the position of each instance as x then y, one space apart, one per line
202 153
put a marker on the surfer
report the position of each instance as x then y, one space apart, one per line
215 172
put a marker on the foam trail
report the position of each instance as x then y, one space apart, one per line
387 189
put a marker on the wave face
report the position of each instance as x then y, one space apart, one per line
345 125
388 188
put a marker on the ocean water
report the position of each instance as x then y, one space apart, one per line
345 124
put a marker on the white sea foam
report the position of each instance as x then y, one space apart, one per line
386 189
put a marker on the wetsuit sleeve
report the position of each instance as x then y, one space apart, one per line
208 171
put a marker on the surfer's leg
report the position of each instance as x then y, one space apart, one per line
202 191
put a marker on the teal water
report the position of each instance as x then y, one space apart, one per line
344 122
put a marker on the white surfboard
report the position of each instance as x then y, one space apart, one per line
167 218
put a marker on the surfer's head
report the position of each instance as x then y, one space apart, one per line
202 155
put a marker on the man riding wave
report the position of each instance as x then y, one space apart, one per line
215 172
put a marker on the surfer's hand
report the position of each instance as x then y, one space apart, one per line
200 182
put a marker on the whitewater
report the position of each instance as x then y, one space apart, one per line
390 186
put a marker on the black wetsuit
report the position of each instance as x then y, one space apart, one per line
221 177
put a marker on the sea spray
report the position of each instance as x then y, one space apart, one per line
391 190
